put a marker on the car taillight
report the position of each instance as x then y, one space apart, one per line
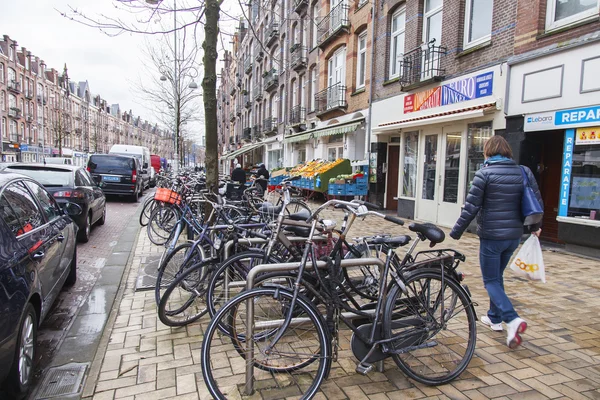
134 176
78 194
88 169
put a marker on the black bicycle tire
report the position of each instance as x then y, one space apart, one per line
212 329
147 209
165 262
151 232
468 306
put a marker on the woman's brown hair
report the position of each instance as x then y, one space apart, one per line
497 145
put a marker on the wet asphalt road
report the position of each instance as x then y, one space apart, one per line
91 258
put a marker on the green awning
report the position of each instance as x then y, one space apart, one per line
334 130
242 150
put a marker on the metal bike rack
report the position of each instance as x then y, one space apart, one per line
285 267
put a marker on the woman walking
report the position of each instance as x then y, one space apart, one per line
495 198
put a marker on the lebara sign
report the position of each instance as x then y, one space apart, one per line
576 117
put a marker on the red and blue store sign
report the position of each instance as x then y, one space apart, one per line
461 90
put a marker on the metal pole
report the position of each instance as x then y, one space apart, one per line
175 90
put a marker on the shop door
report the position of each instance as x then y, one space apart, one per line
549 180
427 199
392 178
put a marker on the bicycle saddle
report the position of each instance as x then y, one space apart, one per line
430 231
297 230
270 209
393 241
301 215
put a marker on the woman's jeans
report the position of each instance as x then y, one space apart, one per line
494 256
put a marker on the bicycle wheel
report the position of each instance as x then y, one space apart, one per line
161 224
435 328
230 278
149 206
295 206
305 343
173 264
364 280
184 300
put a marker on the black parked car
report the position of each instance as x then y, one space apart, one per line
120 175
70 183
38 255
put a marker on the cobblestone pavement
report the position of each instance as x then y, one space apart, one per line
560 357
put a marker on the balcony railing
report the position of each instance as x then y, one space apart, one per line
41 99
422 64
270 80
232 116
14 86
247 134
298 60
14 112
330 25
297 116
256 132
78 130
334 97
231 141
269 126
29 118
258 52
300 6
233 89
248 65
247 102
271 33
257 93
29 94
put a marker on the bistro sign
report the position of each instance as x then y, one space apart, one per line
458 91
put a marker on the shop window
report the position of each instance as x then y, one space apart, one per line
477 136
430 167
564 12
301 156
584 195
451 167
411 147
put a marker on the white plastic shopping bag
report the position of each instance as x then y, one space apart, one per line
529 262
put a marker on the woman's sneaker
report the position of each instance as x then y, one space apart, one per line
495 327
515 329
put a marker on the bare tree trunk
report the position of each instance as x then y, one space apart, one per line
209 88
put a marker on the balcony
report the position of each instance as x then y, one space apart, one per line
258 51
29 94
41 99
247 101
298 60
14 112
269 126
78 131
231 116
270 80
238 110
248 65
231 141
332 24
256 132
297 116
247 134
29 118
423 64
332 98
271 33
14 86
300 6
257 93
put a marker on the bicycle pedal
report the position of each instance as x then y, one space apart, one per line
364 369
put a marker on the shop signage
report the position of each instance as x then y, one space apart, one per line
454 92
588 135
572 118
567 166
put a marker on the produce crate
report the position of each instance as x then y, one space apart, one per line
337 190
340 169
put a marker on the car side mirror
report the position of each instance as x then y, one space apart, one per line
145 165
72 209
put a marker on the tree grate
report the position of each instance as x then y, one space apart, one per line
62 381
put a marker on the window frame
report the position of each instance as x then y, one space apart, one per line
466 43
427 17
393 35
581 16
361 54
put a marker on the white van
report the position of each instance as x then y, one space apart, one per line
139 152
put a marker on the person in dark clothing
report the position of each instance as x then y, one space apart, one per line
238 174
495 198
262 172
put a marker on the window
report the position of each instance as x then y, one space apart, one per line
313 90
26 215
432 28
361 61
430 167
564 12
1 72
477 136
409 161
478 21
3 101
313 24
49 206
3 128
397 28
583 201
12 75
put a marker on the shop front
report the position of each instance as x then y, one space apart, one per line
11 152
428 150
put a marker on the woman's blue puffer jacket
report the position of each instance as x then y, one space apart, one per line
495 198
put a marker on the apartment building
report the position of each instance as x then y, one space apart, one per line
44 113
553 114
439 90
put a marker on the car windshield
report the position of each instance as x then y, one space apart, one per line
138 156
108 162
46 176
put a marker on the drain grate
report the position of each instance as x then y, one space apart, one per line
62 381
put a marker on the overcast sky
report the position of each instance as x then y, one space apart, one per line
111 65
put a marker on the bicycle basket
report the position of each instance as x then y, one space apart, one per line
167 196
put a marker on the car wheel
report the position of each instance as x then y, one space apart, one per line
20 376
72 277
102 219
84 232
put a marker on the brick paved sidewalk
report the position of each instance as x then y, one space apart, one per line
559 359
